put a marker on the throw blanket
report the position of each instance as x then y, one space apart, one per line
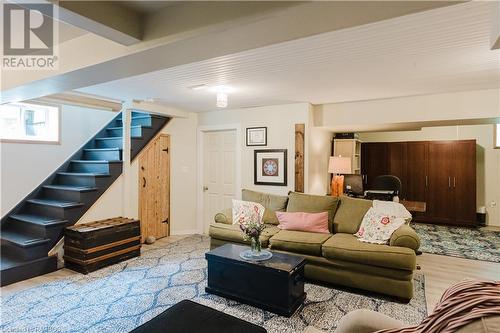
381 220
460 304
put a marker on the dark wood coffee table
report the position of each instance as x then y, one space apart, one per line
275 285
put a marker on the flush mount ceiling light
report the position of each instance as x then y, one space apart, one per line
221 100
222 89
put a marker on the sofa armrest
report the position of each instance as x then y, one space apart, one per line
226 216
405 236
367 321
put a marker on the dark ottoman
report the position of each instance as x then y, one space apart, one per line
190 317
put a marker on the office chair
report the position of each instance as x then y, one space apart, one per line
387 183
385 187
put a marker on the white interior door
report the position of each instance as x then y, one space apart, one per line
219 174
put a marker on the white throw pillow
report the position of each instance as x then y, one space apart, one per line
247 210
377 227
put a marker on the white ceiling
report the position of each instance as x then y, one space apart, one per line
441 50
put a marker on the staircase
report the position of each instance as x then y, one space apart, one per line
37 223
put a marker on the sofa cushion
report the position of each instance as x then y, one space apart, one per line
348 248
272 203
300 221
308 203
298 242
232 233
349 214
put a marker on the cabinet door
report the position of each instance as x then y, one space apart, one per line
373 161
440 202
416 171
464 182
397 163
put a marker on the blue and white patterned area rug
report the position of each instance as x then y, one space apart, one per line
468 243
123 296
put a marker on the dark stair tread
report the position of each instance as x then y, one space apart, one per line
95 161
121 127
22 239
8 262
38 219
85 174
110 138
71 188
102 149
56 203
140 117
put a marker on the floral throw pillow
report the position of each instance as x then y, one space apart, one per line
378 227
247 211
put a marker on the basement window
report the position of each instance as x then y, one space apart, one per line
34 123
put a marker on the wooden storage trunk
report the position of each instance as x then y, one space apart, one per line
90 246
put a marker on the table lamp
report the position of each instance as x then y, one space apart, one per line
338 165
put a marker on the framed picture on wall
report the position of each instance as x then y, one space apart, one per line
270 167
257 136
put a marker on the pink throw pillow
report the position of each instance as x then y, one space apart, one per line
311 222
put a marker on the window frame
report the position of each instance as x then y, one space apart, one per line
45 142
496 136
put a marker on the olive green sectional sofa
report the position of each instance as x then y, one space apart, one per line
338 257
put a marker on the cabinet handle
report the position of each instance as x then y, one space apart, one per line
426 181
454 182
449 182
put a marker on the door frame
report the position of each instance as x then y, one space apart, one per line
201 152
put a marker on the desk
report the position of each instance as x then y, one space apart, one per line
414 206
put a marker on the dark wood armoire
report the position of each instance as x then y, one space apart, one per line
440 173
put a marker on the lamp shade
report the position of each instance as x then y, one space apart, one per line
339 165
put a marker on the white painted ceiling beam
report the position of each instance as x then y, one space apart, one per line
409 113
107 19
80 99
99 17
495 26
151 107
228 37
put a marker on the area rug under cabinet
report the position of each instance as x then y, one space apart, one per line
123 296
468 243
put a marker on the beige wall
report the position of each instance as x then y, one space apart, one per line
488 158
280 121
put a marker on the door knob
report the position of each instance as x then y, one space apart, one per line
205 188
